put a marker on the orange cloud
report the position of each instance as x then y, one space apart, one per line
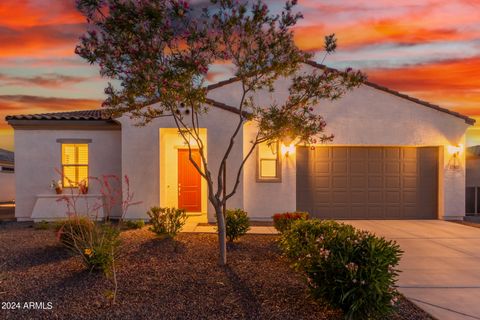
21 13
454 84
40 41
311 38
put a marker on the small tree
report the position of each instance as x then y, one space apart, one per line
160 52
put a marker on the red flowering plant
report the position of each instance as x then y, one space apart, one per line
96 242
160 53
283 221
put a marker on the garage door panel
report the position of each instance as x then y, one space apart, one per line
322 182
375 197
392 197
339 182
375 153
375 182
392 167
392 153
357 197
410 168
322 167
375 167
392 182
375 212
358 181
358 167
368 182
340 167
358 154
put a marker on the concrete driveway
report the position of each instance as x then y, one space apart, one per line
440 266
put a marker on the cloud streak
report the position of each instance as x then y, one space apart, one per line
47 80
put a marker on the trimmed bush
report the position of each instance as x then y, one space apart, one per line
167 221
237 223
349 269
283 221
134 224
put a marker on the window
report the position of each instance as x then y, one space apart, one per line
74 164
268 165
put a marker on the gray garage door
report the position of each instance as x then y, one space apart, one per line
368 182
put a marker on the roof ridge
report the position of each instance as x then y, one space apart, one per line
89 114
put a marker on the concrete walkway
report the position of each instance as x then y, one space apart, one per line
195 227
440 266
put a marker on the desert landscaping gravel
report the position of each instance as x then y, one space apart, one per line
157 279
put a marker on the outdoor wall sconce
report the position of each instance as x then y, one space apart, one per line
454 163
287 150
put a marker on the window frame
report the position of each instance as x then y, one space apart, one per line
76 165
278 177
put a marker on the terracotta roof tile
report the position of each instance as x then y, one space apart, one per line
67 115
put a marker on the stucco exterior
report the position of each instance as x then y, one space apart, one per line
141 157
364 117
38 155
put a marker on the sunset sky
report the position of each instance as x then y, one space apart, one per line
429 49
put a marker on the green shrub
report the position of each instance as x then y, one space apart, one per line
134 224
167 221
350 269
237 223
100 252
95 243
283 221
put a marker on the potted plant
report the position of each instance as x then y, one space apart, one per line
83 187
57 186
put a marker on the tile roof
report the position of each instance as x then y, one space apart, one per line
67 115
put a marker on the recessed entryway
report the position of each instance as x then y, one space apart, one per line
181 185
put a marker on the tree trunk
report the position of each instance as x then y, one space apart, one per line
222 237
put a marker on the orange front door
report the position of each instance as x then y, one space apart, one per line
189 182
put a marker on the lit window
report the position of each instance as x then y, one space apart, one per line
268 165
74 164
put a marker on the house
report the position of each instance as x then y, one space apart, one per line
7 176
393 157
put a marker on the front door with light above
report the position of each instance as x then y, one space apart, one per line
189 181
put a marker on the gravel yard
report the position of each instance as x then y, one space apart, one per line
158 279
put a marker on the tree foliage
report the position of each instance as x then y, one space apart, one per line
160 52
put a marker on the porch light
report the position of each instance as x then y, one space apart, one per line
454 162
455 150
287 150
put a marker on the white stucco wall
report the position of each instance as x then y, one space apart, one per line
363 117
7 186
38 154
141 157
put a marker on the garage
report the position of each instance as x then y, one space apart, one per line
368 182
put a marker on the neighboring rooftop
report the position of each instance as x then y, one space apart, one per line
6 156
